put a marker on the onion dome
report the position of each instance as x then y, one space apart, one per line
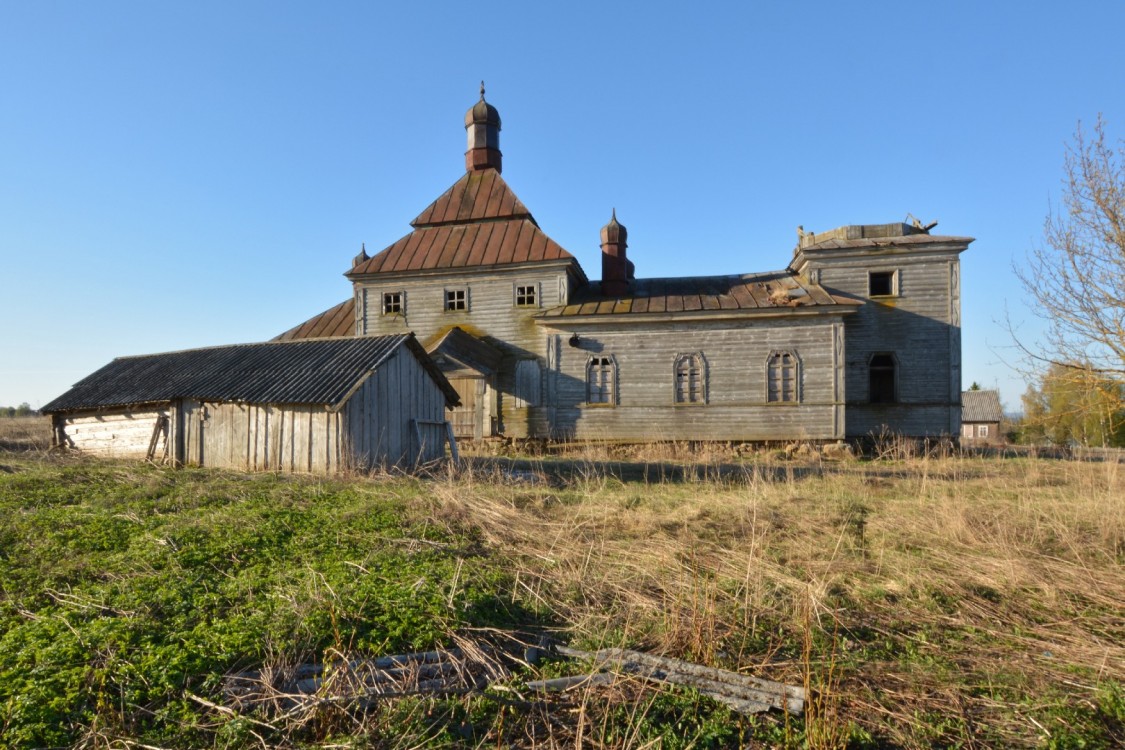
482 112
613 232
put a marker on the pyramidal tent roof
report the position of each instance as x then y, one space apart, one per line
311 371
477 222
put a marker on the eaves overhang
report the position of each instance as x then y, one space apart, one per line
625 319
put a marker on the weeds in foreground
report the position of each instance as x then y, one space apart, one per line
926 602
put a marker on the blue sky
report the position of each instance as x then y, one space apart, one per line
191 174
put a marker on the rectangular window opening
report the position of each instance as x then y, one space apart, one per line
881 283
392 303
599 381
526 296
456 299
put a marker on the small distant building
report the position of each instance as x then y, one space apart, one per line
317 405
980 418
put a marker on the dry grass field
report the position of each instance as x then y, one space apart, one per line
22 434
948 602
932 603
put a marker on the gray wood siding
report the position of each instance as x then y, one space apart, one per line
117 433
262 437
920 327
736 353
492 315
396 417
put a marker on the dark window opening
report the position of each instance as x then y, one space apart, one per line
456 299
525 296
882 379
392 303
881 283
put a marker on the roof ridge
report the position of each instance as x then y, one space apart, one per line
271 342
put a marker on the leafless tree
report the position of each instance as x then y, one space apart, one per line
1076 279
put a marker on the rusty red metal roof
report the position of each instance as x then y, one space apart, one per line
703 294
463 245
477 222
334 322
476 196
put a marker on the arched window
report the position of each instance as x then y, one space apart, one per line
601 380
881 379
782 378
690 379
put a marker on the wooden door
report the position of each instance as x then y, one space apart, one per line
466 418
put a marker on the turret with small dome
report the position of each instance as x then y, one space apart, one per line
482 122
617 271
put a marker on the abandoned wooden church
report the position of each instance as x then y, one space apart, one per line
859 333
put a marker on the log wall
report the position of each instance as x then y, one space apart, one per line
117 433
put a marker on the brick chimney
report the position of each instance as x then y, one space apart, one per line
617 271
482 122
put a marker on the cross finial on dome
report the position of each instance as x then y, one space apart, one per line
482 91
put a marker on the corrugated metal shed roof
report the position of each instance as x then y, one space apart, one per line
313 371
477 222
333 322
981 406
767 291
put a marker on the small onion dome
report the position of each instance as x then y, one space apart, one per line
613 232
482 112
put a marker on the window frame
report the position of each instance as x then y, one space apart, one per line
795 377
608 363
982 430
449 302
699 362
536 294
892 277
893 368
401 302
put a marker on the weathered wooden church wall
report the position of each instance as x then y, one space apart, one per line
492 314
736 406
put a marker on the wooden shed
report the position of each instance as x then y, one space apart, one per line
316 405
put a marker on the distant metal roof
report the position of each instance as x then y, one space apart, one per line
313 371
333 322
746 293
981 406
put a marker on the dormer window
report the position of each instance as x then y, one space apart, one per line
456 299
882 283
